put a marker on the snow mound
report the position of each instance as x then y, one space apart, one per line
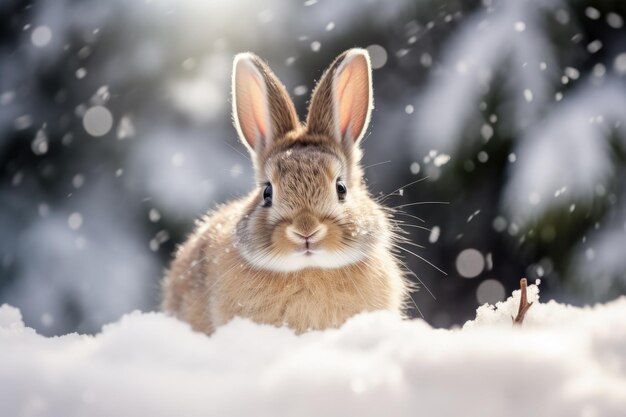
564 361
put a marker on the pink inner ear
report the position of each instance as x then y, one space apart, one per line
257 96
252 109
344 100
353 96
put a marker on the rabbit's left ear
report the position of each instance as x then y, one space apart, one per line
342 101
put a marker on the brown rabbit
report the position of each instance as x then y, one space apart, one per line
308 248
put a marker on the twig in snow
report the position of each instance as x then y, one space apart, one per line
524 305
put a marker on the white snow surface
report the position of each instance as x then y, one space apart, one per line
564 361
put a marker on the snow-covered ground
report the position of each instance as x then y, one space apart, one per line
564 361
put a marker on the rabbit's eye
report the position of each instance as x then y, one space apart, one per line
341 190
267 195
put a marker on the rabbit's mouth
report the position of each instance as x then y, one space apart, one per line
320 245
307 249
302 257
307 252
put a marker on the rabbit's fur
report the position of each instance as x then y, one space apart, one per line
312 259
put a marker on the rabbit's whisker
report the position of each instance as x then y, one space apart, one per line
403 213
236 150
376 164
401 225
420 257
420 203
383 198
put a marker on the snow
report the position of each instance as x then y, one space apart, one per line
570 147
602 255
564 361
487 42
565 121
86 260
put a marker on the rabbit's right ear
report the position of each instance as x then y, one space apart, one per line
342 101
262 109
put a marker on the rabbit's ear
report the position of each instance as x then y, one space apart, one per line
342 101
262 109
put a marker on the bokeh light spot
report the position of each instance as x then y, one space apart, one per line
620 64
98 121
378 56
470 263
75 221
41 36
490 291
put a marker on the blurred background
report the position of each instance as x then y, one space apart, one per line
115 134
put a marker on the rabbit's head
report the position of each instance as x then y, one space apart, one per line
311 209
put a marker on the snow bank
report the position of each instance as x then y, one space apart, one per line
565 361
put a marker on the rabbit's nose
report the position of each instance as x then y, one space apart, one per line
306 237
306 227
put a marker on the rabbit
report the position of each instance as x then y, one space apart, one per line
308 248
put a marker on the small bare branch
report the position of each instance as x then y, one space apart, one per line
524 305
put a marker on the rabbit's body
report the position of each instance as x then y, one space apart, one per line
210 282
310 248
